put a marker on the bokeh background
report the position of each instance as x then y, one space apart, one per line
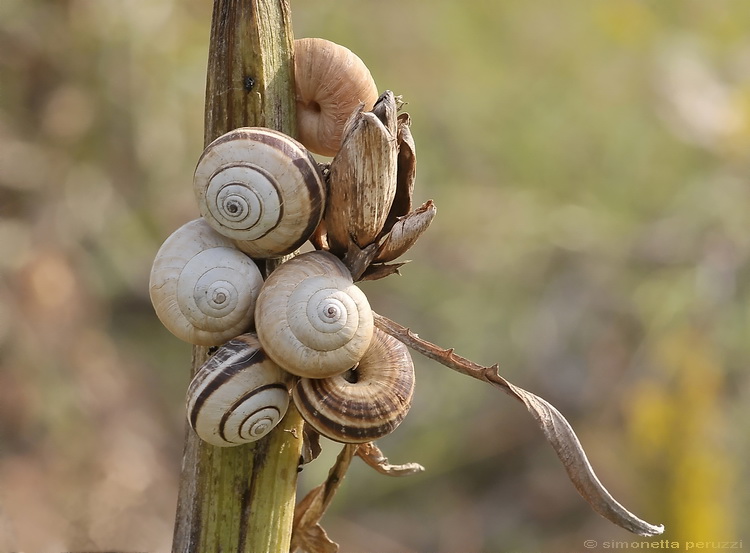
589 161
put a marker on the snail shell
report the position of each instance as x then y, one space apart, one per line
363 404
238 396
331 82
260 188
203 289
311 319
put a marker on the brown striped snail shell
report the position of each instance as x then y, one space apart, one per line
331 83
261 188
202 287
311 318
238 396
363 404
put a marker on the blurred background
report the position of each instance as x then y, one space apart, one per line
589 163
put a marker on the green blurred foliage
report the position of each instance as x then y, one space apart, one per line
589 164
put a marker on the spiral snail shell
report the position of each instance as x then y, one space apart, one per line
363 404
238 396
260 188
331 82
311 319
202 288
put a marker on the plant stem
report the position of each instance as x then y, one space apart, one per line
242 498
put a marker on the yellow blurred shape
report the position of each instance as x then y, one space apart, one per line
678 429
626 21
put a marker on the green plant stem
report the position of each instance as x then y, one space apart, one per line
241 499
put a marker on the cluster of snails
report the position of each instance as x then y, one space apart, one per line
305 333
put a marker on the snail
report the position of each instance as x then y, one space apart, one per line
311 319
238 396
202 288
365 403
331 82
261 188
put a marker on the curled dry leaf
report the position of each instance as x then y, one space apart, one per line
310 445
405 232
371 454
556 429
406 173
307 533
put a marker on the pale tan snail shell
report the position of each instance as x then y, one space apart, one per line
203 289
261 188
311 319
331 82
363 404
238 396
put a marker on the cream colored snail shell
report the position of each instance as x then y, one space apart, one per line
310 317
363 404
261 188
203 289
238 396
331 81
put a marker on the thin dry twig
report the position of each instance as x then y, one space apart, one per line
556 429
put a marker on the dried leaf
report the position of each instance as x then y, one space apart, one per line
564 441
307 534
382 270
556 429
406 231
362 181
310 444
406 172
315 540
371 454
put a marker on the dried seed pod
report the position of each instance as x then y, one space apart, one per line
261 188
311 319
203 289
331 83
365 403
362 182
238 396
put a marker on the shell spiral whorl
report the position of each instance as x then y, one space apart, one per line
311 318
365 404
238 396
203 289
260 188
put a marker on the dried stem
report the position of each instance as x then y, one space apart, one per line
556 429
241 498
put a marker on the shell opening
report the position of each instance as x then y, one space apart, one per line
352 375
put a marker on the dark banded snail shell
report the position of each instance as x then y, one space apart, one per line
364 403
238 395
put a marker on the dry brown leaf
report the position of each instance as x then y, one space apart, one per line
556 429
406 231
371 454
307 534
